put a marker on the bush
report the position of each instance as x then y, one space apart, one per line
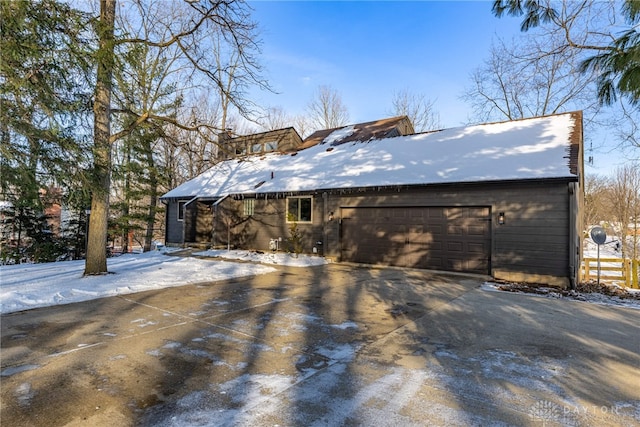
294 240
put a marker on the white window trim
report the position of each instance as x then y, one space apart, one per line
287 210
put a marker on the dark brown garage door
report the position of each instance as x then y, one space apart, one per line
442 238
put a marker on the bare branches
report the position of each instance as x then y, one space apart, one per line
592 27
624 202
418 108
199 45
525 80
326 110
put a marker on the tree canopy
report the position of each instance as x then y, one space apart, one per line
78 86
616 48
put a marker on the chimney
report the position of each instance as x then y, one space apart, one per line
224 150
224 136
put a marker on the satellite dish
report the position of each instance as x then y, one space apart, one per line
598 235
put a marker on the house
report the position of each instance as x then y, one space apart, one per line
500 199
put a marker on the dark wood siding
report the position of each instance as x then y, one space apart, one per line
190 222
280 140
174 227
268 222
442 238
532 245
203 221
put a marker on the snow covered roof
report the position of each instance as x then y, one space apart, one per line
543 147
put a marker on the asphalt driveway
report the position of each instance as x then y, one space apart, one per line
327 345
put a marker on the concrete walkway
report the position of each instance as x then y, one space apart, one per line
329 345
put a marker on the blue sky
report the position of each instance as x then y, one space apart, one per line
367 50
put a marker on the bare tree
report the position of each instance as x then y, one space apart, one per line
604 39
624 201
626 128
607 28
595 208
301 124
523 80
418 108
275 118
326 110
184 154
531 78
184 26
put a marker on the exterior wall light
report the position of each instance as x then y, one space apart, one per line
330 216
501 218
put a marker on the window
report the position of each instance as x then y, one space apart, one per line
241 149
299 209
181 210
248 207
270 146
256 148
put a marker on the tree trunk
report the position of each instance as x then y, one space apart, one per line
126 207
96 260
152 193
151 218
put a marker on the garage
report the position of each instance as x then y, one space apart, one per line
441 238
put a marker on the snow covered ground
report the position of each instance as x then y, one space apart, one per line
27 286
630 297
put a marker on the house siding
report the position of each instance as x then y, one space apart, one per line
533 245
203 221
195 227
268 222
173 226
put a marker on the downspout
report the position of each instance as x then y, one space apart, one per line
166 219
215 220
325 223
184 219
574 238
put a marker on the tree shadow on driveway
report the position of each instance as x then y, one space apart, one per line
327 345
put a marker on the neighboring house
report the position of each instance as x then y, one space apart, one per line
501 199
52 201
280 140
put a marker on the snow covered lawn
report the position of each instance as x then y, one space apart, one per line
279 258
27 286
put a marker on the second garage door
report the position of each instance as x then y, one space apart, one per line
442 238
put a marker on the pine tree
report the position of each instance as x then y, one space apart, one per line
44 101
